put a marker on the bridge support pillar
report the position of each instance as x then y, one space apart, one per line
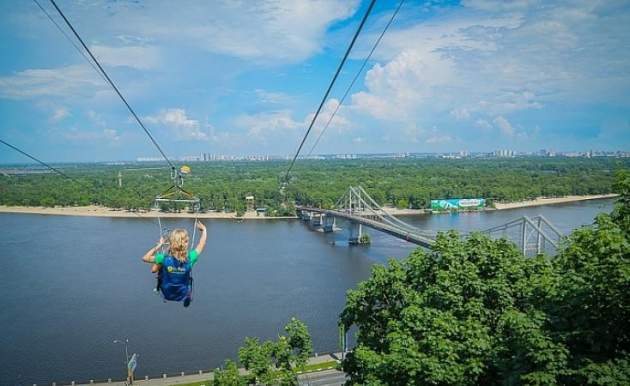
539 239
356 231
524 238
317 219
329 224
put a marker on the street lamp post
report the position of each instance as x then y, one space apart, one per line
125 342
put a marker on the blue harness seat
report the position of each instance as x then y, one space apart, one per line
175 279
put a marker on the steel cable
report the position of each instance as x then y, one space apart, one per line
332 82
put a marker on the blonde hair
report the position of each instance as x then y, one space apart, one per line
178 247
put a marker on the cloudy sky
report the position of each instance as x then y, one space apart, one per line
244 77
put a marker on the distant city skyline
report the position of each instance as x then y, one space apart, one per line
245 78
462 154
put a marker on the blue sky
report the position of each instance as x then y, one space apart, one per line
244 77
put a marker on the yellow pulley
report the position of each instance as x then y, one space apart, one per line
185 169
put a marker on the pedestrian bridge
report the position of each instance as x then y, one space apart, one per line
533 235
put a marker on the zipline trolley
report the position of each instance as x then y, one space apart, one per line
176 194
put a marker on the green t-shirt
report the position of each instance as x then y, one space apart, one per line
192 257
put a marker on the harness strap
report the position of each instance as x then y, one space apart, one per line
192 244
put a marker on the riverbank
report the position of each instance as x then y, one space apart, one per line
550 201
100 211
325 362
509 205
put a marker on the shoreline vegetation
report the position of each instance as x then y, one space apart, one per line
100 211
227 188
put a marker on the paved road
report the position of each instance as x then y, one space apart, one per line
320 378
323 378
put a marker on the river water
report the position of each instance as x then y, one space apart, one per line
72 285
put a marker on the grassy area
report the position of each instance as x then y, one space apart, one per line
200 383
307 369
319 366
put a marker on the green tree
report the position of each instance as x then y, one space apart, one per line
402 203
452 316
256 357
300 342
228 375
276 362
591 309
621 214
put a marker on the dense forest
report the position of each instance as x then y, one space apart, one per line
404 183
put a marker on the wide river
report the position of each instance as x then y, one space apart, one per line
72 285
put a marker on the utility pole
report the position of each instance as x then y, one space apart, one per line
125 342
119 179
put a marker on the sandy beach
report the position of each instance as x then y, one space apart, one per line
403 212
100 211
550 201
511 205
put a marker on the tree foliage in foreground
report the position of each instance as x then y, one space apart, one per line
475 311
228 375
269 362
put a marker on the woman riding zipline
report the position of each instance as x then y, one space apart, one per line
174 277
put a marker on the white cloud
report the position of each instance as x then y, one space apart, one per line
289 31
265 124
413 133
460 114
59 114
76 81
102 132
399 87
271 97
439 139
485 61
138 57
225 138
483 125
75 135
504 126
500 5
182 127
96 118
339 123
268 30
509 101
111 134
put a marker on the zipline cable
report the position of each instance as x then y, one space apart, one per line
101 72
113 85
40 162
57 170
367 58
79 50
354 38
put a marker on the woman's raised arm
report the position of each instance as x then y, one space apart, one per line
149 257
202 238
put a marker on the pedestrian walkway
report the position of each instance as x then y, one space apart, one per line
328 375
323 378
